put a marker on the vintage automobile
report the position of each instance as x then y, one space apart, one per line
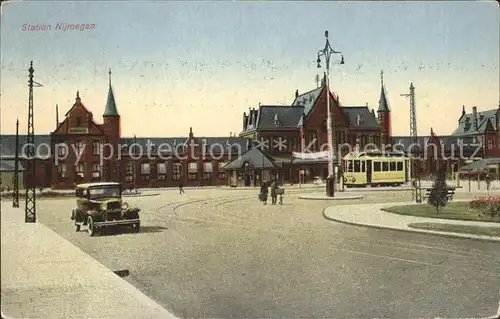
100 205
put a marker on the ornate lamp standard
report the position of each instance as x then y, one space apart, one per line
327 52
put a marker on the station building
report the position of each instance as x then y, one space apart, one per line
283 131
83 149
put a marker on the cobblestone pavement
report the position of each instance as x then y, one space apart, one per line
216 253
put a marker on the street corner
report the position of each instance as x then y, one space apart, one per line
337 196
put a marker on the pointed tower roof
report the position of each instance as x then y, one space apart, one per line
383 103
110 109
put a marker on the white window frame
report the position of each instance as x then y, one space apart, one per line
145 171
162 171
193 168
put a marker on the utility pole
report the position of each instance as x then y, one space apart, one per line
15 194
327 52
415 160
135 173
30 208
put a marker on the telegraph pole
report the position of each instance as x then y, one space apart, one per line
414 141
15 194
30 209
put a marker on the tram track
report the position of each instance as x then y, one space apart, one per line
237 221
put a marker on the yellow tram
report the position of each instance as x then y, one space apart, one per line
375 169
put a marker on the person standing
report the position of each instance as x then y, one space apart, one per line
274 196
181 188
264 190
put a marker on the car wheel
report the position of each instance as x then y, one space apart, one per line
90 225
136 227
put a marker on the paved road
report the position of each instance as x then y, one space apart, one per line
213 253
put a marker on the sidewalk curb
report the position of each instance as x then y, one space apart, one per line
417 231
128 286
120 282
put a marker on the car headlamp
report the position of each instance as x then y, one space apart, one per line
104 206
125 206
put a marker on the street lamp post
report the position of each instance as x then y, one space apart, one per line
327 52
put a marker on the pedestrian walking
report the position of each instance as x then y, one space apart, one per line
264 191
488 181
181 188
274 195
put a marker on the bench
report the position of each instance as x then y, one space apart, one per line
449 193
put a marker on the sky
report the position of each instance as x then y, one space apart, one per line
177 65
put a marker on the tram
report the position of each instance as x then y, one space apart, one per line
375 169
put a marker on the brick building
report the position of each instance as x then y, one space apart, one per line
477 136
301 126
80 149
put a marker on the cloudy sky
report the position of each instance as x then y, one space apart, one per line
202 64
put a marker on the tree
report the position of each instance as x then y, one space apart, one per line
439 192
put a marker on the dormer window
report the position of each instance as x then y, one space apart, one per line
276 120
358 120
467 124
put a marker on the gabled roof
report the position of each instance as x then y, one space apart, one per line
482 122
78 102
9 165
366 118
308 100
254 157
276 117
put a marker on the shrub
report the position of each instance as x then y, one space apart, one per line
489 206
438 195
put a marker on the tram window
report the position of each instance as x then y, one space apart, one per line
392 166
400 166
376 167
357 167
363 166
385 167
349 166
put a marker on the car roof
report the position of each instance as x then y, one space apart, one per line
97 184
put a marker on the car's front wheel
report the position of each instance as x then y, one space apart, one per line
136 227
90 225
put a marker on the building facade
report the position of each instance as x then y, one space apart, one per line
301 127
80 149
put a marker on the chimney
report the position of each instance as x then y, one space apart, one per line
296 93
463 110
190 132
57 115
78 100
474 118
244 121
